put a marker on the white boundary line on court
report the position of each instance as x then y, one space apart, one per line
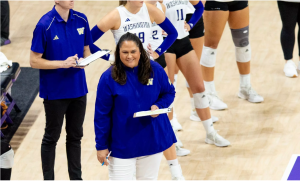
290 167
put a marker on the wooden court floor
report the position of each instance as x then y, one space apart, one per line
264 136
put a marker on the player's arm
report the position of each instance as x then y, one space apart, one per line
199 8
158 16
110 21
163 7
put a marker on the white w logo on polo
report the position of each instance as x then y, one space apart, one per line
150 81
80 30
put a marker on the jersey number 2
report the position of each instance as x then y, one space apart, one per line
179 14
154 34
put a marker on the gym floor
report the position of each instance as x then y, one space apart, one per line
263 136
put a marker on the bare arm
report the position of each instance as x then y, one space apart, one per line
194 2
37 62
155 14
163 7
111 21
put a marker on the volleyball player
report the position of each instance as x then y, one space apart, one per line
217 13
135 17
196 36
181 53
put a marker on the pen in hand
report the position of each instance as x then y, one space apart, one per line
76 59
106 157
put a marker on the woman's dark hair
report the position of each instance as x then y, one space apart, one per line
144 69
122 2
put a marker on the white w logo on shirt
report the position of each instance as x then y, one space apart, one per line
80 30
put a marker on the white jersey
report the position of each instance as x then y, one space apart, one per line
138 24
190 9
176 13
156 38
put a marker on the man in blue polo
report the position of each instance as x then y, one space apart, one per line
60 38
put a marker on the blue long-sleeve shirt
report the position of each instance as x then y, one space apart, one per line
115 127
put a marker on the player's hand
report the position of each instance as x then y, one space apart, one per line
153 108
101 156
164 33
187 27
151 52
69 62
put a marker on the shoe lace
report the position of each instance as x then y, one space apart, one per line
214 95
215 135
252 92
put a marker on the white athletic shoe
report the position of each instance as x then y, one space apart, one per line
290 69
176 172
194 117
215 103
250 95
175 124
181 151
216 139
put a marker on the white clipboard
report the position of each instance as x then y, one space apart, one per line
149 113
92 58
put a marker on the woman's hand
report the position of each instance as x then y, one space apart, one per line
151 52
187 27
164 33
153 108
101 155
81 67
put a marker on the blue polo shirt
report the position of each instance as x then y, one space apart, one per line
57 40
115 127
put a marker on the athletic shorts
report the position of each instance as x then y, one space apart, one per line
225 6
161 60
180 47
198 30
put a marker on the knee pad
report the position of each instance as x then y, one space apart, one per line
243 54
240 37
201 100
208 57
242 47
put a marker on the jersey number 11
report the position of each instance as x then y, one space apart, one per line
179 14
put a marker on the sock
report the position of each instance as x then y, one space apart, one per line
175 80
210 86
173 162
193 104
208 125
245 81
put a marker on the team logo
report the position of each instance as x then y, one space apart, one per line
80 31
150 81
127 20
56 37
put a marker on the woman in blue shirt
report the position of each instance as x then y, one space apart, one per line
132 84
